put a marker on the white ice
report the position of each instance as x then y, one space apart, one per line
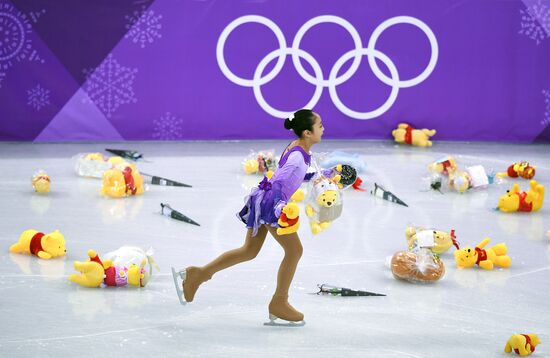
469 313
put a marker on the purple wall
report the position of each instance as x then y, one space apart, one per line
154 70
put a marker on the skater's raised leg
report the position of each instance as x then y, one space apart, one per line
197 275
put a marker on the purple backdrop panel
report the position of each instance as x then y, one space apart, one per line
170 70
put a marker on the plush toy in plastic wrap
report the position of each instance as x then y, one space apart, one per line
118 183
519 170
436 240
260 162
95 272
443 165
126 256
417 265
324 202
516 200
446 171
522 344
45 246
41 182
485 258
407 134
93 165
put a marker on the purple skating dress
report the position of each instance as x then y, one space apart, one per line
264 204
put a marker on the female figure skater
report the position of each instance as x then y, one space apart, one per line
260 214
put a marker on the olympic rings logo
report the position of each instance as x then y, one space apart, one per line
318 80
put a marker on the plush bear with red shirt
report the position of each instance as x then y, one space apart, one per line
45 246
485 258
407 134
526 201
94 272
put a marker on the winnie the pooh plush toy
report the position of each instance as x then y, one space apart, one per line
522 344
324 203
514 200
289 221
443 166
486 259
45 246
118 183
94 272
409 135
41 182
439 241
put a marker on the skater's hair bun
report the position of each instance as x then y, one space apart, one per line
300 121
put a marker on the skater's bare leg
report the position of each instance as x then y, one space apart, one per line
279 305
249 250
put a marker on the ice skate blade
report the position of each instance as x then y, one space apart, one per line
284 323
181 275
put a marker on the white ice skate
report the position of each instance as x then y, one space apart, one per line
179 275
283 323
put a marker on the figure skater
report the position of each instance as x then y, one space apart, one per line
260 214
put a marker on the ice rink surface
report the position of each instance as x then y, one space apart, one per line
469 313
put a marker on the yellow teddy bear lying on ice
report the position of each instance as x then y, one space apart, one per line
41 182
94 272
522 344
118 183
409 135
514 200
486 259
39 244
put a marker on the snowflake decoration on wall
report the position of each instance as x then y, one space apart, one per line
110 85
2 75
535 22
38 97
15 37
546 119
144 27
167 127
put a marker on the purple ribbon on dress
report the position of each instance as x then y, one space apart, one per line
265 184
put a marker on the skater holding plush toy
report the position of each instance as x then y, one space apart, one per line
269 208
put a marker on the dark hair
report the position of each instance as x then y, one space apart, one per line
303 121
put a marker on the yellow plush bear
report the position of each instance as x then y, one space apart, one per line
118 183
486 259
443 165
409 135
325 203
94 272
514 200
94 156
522 344
251 166
289 221
41 182
442 240
41 245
